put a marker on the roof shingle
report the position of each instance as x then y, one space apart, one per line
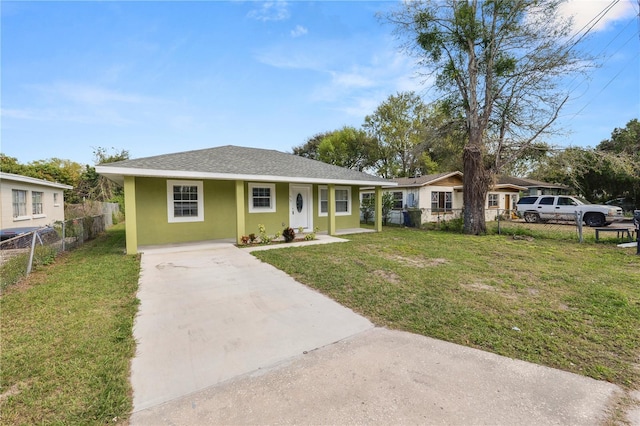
235 160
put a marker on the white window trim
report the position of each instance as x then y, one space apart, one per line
350 201
170 217
33 204
497 198
272 192
26 203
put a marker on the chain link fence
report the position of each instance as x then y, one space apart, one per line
21 254
508 222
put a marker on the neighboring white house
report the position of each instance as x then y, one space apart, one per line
30 202
536 187
439 197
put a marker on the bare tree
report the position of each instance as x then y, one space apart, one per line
500 63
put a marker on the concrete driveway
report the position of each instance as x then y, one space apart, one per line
226 339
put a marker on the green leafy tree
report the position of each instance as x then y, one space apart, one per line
622 150
397 125
387 206
11 165
348 147
310 148
498 63
442 140
611 170
98 187
368 208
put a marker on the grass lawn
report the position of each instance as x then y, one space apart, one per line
67 338
562 304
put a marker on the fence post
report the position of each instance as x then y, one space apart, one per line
33 247
579 223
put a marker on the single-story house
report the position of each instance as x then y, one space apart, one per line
536 187
227 192
28 202
439 196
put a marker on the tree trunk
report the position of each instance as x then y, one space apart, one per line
474 190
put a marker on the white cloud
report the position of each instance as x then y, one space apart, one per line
60 114
271 11
298 31
584 11
88 94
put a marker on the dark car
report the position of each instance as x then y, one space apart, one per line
626 204
6 234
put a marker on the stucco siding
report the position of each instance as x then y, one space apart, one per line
52 211
273 221
342 221
152 215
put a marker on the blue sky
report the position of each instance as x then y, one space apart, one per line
161 77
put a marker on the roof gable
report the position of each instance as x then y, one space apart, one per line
427 179
528 183
234 162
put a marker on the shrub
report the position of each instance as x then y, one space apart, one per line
288 234
264 238
252 238
367 207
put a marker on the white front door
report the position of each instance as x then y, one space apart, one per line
300 207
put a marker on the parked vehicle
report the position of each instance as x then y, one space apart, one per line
626 204
541 208
7 234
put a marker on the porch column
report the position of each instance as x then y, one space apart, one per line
331 209
239 210
131 221
378 211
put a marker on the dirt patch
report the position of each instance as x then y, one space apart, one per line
387 276
416 262
479 287
15 389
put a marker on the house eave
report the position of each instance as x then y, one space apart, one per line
117 174
33 181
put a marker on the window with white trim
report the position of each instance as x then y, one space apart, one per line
185 201
343 200
55 199
494 200
441 201
397 200
19 198
262 198
36 203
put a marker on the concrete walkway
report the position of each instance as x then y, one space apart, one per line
226 339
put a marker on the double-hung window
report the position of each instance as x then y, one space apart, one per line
36 203
493 200
19 198
397 200
185 201
342 201
441 201
262 198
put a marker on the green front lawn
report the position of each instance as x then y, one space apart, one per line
67 338
562 304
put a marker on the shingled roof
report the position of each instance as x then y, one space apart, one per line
238 163
425 179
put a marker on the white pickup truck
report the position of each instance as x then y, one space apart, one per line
541 208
